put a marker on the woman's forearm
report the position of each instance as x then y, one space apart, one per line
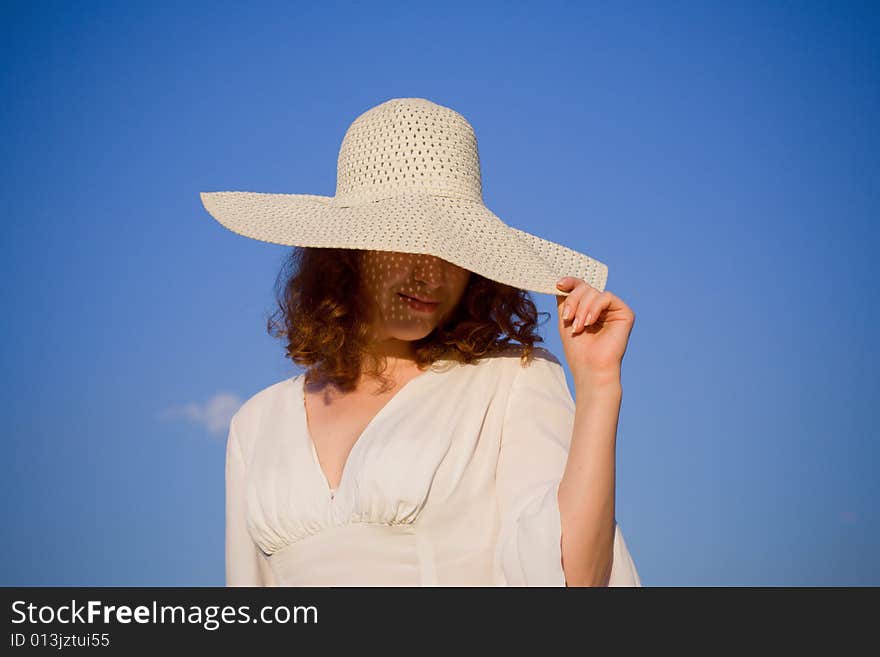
586 492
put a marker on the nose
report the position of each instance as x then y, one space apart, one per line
428 270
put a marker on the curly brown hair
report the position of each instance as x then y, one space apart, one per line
322 316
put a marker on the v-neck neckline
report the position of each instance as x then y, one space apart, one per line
332 493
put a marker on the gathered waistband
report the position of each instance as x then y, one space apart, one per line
357 554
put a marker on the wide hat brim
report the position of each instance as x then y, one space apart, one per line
461 231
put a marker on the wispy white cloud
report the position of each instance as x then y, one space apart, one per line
213 415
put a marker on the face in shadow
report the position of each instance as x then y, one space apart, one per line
394 283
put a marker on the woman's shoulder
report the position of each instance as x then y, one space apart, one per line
543 370
512 356
507 367
248 414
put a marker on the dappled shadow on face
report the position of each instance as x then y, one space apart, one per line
414 288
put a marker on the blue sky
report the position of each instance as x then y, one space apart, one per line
722 160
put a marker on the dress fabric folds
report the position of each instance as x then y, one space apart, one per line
452 483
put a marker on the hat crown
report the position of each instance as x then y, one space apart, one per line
408 145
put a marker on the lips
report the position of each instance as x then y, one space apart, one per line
422 299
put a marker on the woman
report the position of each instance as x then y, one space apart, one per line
421 446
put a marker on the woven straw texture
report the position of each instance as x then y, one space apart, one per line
408 180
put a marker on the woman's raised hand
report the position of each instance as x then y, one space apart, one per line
594 327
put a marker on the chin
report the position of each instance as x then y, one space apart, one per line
412 333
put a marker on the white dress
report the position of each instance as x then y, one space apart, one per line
452 483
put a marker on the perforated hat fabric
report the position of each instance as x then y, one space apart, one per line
408 180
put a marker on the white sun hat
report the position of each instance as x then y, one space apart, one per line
408 180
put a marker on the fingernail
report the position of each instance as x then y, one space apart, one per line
566 313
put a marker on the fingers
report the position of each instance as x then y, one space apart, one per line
586 312
598 305
569 304
579 307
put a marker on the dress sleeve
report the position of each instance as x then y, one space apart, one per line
245 563
535 439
